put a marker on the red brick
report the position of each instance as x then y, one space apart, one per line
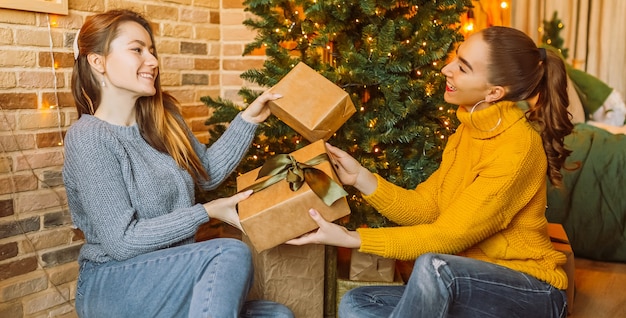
77 235
61 60
195 111
232 4
18 267
206 64
6 207
11 309
215 17
8 250
18 101
49 139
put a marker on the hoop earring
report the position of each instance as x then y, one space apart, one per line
492 128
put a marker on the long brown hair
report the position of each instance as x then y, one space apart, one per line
158 117
526 71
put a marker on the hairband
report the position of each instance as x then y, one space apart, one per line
542 54
75 45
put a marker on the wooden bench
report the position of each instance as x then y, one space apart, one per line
600 289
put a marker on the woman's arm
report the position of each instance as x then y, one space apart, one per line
221 158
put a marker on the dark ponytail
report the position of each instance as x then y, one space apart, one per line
526 72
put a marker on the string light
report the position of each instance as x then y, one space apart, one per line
12 180
54 67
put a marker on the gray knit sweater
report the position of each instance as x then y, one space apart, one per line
130 199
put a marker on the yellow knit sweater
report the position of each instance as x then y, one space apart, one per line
486 201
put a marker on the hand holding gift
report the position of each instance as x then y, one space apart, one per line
351 172
224 209
258 111
328 233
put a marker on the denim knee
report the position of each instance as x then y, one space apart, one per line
265 309
237 247
239 251
346 303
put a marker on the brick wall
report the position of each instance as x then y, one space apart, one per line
200 44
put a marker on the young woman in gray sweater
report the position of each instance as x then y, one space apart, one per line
131 166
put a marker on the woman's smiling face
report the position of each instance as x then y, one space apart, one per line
131 66
466 74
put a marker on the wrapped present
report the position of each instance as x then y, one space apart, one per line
561 243
311 104
344 284
370 267
286 187
291 275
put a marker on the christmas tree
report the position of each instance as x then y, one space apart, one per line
552 34
386 54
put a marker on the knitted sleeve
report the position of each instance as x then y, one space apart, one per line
223 156
391 201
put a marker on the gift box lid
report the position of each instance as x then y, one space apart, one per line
311 105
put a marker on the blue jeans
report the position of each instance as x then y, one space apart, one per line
205 279
453 286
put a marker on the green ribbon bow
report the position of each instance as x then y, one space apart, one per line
296 173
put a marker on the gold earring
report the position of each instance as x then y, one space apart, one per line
472 120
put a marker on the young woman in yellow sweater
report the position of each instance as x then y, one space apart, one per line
476 227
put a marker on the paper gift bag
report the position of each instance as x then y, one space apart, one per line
277 213
311 104
291 275
561 243
372 268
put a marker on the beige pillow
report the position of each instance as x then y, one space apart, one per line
575 106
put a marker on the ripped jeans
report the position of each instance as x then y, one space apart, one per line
453 286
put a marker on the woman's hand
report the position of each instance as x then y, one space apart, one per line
328 233
350 171
258 111
225 209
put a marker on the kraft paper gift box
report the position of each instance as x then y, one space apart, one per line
291 275
372 268
561 244
344 269
276 214
311 105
